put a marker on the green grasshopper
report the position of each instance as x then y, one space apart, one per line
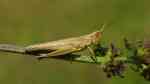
66 46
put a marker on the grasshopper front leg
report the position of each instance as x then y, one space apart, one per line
93 56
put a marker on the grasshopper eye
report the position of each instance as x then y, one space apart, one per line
96 37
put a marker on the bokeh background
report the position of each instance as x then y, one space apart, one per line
25 22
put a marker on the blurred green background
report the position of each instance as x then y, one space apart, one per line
25 22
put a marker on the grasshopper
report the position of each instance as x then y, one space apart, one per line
58 47
66 46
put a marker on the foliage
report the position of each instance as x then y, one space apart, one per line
114 61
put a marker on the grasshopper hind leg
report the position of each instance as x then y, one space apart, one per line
60 52
65 54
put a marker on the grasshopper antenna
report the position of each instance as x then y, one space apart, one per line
102 28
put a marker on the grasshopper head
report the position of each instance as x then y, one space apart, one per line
96 36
